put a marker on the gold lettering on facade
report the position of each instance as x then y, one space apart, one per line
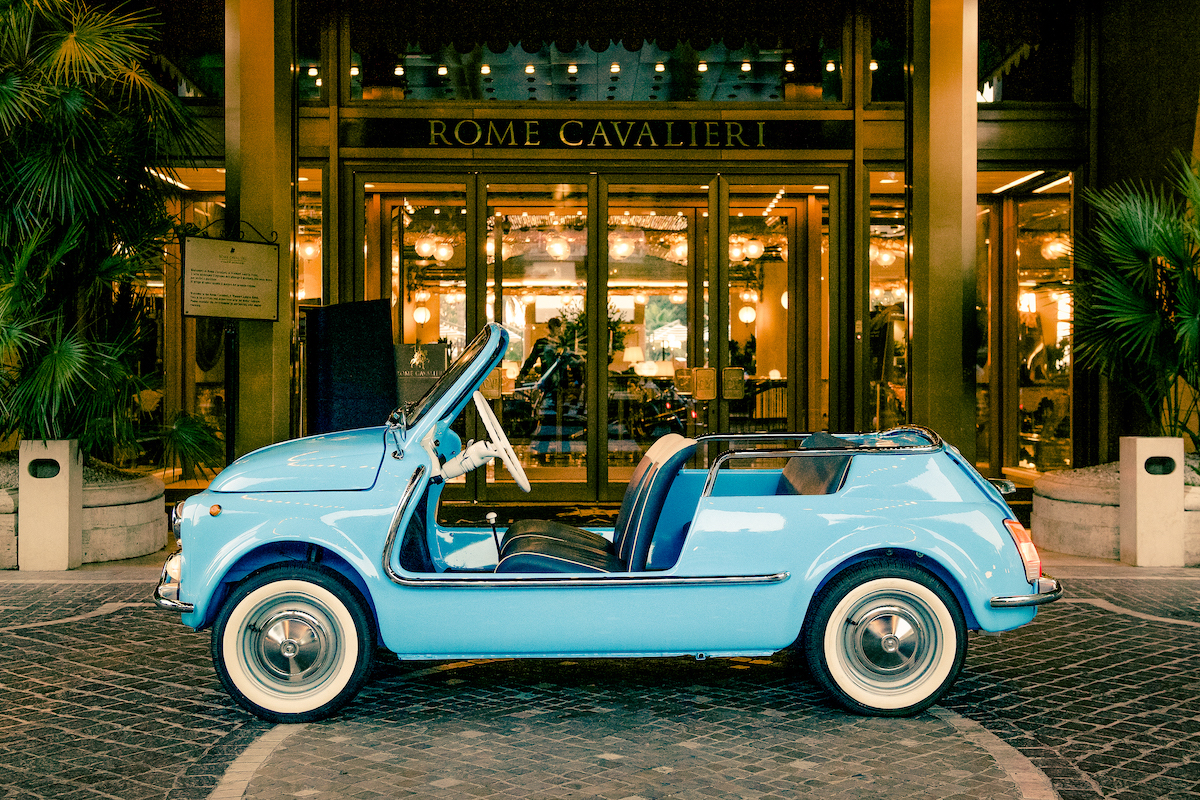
645 133
531 133
712 134
437 130
625 138
670 143
562 133
509 134
478 132
693 133
731 134
761 140
598 133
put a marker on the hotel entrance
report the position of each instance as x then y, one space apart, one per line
638 305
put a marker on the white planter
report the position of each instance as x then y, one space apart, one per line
120 520
1077 512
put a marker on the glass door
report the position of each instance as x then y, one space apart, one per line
656 246
766 303
537 256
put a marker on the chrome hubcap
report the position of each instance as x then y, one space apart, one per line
888 641
293 646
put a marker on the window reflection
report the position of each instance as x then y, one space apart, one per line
657 237
1044 332
888 327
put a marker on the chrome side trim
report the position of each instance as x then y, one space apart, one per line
394 528
166 593
1048 590
611 579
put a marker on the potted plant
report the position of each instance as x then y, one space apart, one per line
1137 299
87 139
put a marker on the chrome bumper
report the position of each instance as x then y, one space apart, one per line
166 594
1048 590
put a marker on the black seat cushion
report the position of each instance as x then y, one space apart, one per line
554 530
543 554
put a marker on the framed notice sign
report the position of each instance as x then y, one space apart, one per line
230 279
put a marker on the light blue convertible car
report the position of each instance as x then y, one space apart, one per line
872 554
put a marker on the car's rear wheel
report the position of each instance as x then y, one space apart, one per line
293 643
885 638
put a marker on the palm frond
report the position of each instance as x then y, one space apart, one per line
94 44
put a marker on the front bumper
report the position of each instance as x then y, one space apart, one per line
1048 590
166 594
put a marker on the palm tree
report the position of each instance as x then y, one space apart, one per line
87 138
1137 298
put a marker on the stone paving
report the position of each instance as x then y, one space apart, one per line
102 696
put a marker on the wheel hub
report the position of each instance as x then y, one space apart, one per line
293 645
889 641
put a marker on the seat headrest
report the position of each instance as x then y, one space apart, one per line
824 440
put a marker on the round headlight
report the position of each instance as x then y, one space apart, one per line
174 566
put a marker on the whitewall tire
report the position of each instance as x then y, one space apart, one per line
886 638
294 643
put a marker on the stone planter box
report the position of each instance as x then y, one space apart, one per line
1078 512
120 520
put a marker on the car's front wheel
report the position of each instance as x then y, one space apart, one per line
293 643
885 638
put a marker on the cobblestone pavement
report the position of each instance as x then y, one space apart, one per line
101 696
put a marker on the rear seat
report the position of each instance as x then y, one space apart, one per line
816 474
631 546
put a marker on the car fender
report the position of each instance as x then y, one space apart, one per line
973 572
252 539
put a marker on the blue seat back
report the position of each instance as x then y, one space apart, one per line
634 546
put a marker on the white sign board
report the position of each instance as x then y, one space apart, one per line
230 279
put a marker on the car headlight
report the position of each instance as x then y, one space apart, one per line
174 566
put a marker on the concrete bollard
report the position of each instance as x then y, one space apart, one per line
1152 501
50 513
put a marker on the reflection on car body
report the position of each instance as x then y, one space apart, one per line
873 554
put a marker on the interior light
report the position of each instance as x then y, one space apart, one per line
354 72
754 249
783 300
702 67
485 70
571 68
745 66
529 69
1019 181
444 251
660 67
789 66
398 71
425 245
1052 184
874 65
830 67
747 314
443 70
615 68
318 81
312 72
421 315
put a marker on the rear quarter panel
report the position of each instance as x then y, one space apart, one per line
919 504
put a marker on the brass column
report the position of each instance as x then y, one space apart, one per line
259 162
942 155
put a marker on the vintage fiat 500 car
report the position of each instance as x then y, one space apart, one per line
872 554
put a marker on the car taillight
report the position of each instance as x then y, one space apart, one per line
1029 553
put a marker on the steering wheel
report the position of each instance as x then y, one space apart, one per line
496 435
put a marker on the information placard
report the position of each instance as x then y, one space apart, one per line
239 280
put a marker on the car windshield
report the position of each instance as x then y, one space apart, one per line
449 378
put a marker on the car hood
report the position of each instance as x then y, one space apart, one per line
341 461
